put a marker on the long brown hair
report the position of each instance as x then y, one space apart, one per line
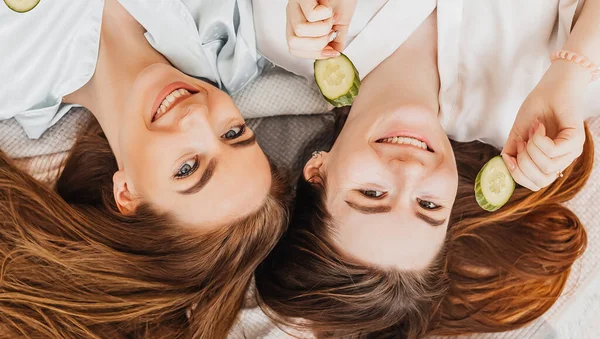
74 267
496 271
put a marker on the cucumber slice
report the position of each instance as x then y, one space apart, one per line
21 6
338 80
494 185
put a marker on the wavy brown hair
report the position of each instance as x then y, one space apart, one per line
497 271
74 267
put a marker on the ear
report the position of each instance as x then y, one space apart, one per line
124 198
313 169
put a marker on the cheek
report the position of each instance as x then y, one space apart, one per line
146 163
133 140
349 170
445 183
451 175
363 165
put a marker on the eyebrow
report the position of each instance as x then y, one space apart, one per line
369 209
204 179
248 142
385 209
431 221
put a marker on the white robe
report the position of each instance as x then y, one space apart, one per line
491 53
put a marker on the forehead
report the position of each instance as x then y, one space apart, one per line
397 239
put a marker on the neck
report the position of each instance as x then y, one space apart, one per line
409 77
124 52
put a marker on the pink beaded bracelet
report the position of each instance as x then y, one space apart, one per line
578 59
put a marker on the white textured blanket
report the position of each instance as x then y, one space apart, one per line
576 315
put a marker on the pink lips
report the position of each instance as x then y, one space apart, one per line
168 90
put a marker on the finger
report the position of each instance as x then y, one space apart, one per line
303 28
567 141
309 44
539 138
339 43
326 53
548 147
549 166
510 147
313 11
530 169
302 48
517 174
570 140
313 29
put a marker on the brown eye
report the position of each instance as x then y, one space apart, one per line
372 194
428 205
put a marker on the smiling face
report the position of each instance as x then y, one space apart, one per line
184 149
391 178
391 181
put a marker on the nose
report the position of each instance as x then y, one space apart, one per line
194 125
411 169
193 118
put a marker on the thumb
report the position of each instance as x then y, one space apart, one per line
510 147
342 17
566 140
339 43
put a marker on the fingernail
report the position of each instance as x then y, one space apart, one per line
330 53
509 161
333 35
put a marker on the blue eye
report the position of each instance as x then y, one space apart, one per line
428 205
234 132
372 194
187 169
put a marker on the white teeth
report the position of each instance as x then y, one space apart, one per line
164 106
406 141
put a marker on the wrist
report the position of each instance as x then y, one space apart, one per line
565 73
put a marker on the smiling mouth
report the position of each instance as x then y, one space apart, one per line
169 97
405 140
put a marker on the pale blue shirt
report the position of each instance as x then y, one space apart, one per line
52 51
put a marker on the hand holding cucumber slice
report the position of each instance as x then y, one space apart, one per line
21 6
494 185
337 79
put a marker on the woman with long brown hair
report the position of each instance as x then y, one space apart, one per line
387 239
74 266
166 204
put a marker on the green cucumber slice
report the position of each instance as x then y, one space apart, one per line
337 79
21 6
494 185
